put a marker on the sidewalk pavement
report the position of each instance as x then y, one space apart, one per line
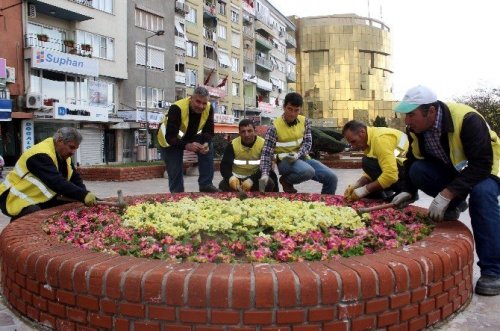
479 315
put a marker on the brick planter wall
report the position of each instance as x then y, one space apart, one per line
121 174
68 288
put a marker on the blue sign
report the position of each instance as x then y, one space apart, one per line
5 110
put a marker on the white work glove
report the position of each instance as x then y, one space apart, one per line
264 179
292 157
358 193
402 200
438 207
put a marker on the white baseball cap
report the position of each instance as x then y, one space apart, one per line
414 97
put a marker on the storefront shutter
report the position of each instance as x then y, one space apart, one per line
92 147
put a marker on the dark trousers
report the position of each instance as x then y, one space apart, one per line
272 184
372 168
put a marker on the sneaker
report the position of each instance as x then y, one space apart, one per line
488 285
209 189
287 187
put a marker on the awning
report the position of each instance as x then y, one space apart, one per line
224 59
179 28
275 82
225 128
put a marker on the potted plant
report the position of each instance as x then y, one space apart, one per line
86 47
42 37
69 43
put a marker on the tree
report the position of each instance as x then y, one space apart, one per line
379 122
487 102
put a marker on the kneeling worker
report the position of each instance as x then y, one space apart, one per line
240 165
384 152
42 174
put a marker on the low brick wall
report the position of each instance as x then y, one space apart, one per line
118 174
67 288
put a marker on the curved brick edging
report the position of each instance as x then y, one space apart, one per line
121 174
68 288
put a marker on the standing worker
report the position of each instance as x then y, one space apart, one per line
290 140
42 174
453 153
240 165
384 150
189 126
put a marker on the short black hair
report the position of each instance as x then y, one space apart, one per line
425 108
246 122
293 98
353 126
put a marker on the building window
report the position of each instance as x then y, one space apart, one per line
235 64
102 46
155 96
224 61
222 31
191 16
235 16
179 29
104 5
222 8
235 39
148 21
156 56
236 89
191 77
191 49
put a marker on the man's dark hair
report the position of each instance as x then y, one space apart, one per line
246 122
293 98
425 108
353 126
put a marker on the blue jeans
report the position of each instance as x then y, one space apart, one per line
172 156
304 170
484 210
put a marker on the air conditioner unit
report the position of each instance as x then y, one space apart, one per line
31 11
186 9
11 74
165 104
33 101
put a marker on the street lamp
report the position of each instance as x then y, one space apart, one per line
157 33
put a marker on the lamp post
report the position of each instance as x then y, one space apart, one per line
157 33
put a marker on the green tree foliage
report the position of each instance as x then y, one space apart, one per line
487 102
379 121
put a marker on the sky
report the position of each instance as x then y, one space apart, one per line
453 47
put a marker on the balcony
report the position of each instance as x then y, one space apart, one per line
209 12
291 77
180 77
31 40
180 42
290 58
181 7
210 35
248 32
264 63
262 43
249 77
265 29
264 85
215 91
68 13
249 55
209 63
290 41
247 19
248 8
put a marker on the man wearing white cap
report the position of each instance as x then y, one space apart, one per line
453 153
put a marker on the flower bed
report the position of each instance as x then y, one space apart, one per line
65 287
222 228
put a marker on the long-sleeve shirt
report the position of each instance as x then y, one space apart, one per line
191 134
270 144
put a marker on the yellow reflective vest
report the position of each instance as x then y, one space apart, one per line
288 138
183 104
25 189
457 154
246 159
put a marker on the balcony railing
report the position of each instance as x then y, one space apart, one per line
264 85
291 58
264 63
209 63
210 34
209 11
180 42
180 77
31 40
290 41
248 32
291 77
87 3
262 42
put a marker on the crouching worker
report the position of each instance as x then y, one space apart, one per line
42 174
240 165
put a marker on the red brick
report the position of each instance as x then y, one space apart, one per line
377 305
384 274
153 281
417 323
98 272
399 300
275 328
264 286
161 313
388 318
132 285
40 303
209 328
310 327
447 310
56 309
33 313
350 310
114 277
418 294
193 315
321 314
309 284
458 277
121 324
336 326
441 299
20 280
87 302
32 285
64 325
448 283
398 327
77 315
219 286
330 290
197 285
457 303
133 309
102 321
408 312
435 289
66 297
48 292
238 329
427 306
225 317
290 316
174 290
363 323
399 270
368 278
27 296
433 317
349 281
286 285
108 306
146 326
47 320
257 317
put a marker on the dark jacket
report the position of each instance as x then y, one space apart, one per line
174 123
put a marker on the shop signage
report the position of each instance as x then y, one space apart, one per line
3 68
140 116
71 112
223 118
48 59
5 110
28 134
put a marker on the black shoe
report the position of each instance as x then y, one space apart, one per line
287 187
454 213
209 189
488 285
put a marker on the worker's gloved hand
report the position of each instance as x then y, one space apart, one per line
438 207
292 157
247 184
402 200
358 193
204 149
90 199
264 179
234 183
348 191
